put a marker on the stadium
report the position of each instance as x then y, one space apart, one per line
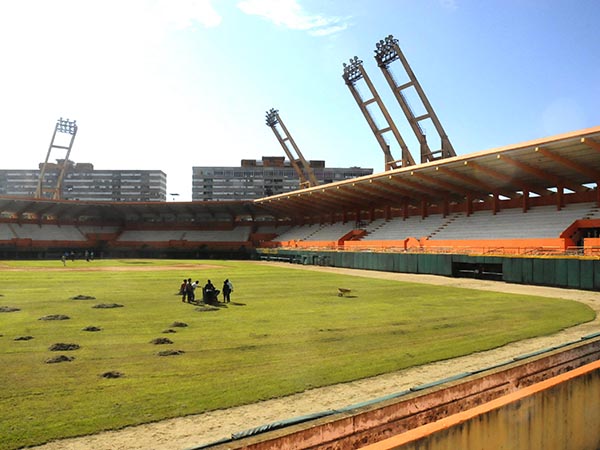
458 217
525 215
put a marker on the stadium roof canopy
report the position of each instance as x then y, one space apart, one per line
570 161
540 167
121 212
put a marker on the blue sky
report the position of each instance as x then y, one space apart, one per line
157 84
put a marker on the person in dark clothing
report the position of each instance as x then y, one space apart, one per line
183 290
227 289
189 287
210 292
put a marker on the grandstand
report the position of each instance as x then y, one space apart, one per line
532 199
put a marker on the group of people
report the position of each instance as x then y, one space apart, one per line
210 293
89 256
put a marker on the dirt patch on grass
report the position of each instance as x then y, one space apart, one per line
8 309
161 341
59 359
61 347
83 266
195 430
55 317
171 353
112 374
107 306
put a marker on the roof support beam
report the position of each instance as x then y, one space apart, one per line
443 184
592 144
593 174
480 185
423 190
541 174
379 191
502 177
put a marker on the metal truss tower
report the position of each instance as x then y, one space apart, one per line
300 165
387 52
63 126
354 72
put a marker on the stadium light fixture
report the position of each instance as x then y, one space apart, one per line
272 117
66 126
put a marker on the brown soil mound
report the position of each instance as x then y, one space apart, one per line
112 374
60 347
8 309
24 338
60 358
83 297
107 306
161 341
55 317
171 353
179 324
92 329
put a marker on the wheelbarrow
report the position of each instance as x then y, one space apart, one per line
343 291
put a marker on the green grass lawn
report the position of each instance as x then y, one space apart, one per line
285 331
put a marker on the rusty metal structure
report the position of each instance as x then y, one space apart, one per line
354 71
299 163
387 51
64 127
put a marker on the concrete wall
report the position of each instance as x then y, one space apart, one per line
560 413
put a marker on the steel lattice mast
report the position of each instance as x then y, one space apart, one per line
354 71
387 51
304 171
64 126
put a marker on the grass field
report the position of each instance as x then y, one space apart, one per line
285 331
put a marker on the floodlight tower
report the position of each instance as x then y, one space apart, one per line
304 171
63 126
387 52
354 72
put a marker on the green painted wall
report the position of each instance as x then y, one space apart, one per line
557 272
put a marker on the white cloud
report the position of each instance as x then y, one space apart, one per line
184 13
329 30
288 13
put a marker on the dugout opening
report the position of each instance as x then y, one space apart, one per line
481 271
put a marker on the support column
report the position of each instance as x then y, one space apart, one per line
525 200
559 197
496 203
423 208
469 205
